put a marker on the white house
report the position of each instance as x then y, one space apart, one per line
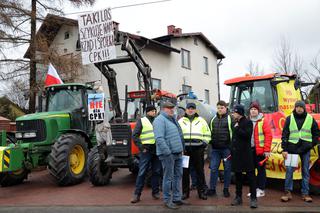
180 62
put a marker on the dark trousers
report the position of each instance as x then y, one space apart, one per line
261 176
196 159
252 183
147 159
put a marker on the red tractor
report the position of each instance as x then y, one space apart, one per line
277 95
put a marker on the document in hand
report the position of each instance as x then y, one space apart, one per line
292 160
185 161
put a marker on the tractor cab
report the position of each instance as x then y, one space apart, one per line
70 98
274 92
137 102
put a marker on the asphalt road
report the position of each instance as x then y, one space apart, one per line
41 194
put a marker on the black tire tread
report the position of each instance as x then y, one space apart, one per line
95 175
59 159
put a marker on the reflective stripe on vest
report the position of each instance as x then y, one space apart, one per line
147 135
197 129
229 125
305 131
260 133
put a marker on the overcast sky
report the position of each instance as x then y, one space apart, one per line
242 30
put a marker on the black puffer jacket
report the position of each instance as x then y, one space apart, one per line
302 146
220 136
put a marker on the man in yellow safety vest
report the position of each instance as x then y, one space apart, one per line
143 137
196 134
299 135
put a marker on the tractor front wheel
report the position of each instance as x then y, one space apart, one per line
13 178
99 172
68 159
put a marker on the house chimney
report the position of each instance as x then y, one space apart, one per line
178 32
171 29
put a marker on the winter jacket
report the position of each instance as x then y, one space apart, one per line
136 137
168 134
260 150
220 134
195 130
241 152
302 146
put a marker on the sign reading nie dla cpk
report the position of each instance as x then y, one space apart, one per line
96 36
96 106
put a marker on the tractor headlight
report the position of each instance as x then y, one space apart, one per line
125 142
18 135
114 142
29 135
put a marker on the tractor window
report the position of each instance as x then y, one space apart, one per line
247 92
64 100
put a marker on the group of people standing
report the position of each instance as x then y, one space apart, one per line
242 143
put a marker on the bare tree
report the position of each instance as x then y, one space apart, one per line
254 69
283 57
315 64
288 61
18 20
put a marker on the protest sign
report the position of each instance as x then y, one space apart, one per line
96 36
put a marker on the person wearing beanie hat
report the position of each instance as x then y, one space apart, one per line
242 157
144 139
261 140
299 136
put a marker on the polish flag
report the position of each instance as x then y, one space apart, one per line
52 76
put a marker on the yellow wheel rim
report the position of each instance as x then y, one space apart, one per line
77 159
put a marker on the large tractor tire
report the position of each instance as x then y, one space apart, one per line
68 159
13 178
99 172
315 178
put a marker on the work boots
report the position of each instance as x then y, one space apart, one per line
135 198
253 203
286 197
237 201
306 198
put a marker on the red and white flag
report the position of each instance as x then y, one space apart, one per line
52 76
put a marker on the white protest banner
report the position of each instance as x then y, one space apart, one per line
96 106
96 36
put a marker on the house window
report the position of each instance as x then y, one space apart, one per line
207 96
156 83
186 88
206 66
66 35
185 58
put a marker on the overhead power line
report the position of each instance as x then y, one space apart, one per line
124 6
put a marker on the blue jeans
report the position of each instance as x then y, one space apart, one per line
305 158
147 159
216 156
172 177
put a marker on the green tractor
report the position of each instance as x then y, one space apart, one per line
58 138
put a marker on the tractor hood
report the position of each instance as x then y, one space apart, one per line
43 115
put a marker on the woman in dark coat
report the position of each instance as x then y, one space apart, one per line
242 156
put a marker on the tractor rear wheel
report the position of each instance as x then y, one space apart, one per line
68 159
13 178
99 172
